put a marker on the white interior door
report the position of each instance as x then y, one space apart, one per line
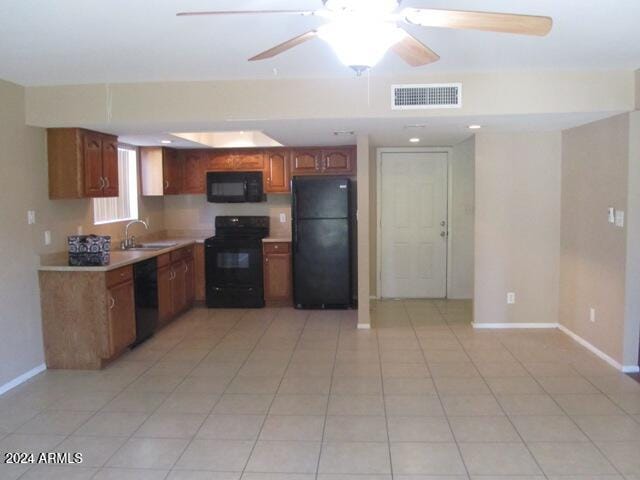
413 225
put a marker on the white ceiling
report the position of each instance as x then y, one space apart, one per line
440 131
93 41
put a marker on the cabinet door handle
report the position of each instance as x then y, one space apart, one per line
112 303
266 259
107 184
166 184
101 182
186 268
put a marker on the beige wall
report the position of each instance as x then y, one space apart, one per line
462 212
23 186
364 247
373 221
632 273
193 213
155 106
593 251
517 227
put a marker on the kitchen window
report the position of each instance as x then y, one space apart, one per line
125 206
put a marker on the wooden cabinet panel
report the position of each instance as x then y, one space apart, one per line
220 162
121 317
276 247
248 160
199 272
110 166
92 160
179 286
193 165
338 161
277 279
278 172
172 171
165 297
124 274
305 162
190 281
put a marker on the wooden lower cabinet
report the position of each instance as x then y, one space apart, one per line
199 271
278 279
176 284
121 318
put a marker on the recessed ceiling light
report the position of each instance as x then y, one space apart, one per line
166 142
344 133
415 125
414 140
475 127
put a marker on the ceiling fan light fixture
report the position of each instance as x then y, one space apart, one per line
381 7
360 43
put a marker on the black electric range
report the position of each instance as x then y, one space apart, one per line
233 260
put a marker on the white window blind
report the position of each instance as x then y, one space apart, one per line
125 206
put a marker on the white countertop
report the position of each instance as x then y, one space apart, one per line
119 258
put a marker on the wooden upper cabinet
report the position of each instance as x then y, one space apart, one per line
278 172
248 160
172 172
219 162
161 171
338 161
93 180
110 166
82 163
193 169
305 162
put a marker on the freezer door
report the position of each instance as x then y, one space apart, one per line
321 264
321 197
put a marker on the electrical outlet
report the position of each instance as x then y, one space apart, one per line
592 315
283 218
620 218
511 298
31 217
47 237
79 229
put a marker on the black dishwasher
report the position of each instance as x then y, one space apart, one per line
146 288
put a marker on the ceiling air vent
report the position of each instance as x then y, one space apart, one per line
434 95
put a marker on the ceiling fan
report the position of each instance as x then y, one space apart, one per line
361 31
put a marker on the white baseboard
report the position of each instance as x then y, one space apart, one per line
22 378
373 297
364 326
599 353
513 325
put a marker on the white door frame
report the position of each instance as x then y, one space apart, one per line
379 153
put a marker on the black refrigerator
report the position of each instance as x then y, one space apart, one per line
322 231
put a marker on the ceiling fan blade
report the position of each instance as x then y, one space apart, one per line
283 47
414 52
491 22
246 12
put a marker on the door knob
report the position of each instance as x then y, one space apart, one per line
443 234
443 223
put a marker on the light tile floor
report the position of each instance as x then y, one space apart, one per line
280 394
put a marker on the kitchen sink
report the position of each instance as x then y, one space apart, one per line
151 247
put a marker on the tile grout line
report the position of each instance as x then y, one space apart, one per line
384 403
437 392
150 414
326 410
255 443
566 413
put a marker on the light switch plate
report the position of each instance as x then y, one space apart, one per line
31 217
80 230
619 218
511 298
47 237
611 215
283 218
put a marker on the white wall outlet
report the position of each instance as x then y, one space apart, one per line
511 298
80 230
47 237
611 216
31 217
592 315
620 218
283 218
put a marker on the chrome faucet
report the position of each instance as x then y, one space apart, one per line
130 242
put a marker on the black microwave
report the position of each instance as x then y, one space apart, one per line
234 187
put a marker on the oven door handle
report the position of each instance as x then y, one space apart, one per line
245 186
